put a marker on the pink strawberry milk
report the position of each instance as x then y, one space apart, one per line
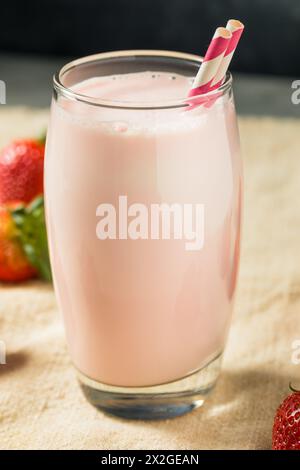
143 203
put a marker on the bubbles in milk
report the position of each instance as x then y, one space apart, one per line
120 126
124 113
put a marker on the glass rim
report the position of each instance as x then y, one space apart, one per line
134 105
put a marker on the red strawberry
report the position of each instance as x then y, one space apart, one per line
14 265
21 171
286 429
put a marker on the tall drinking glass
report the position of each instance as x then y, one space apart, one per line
143 202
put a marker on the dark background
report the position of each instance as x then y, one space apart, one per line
38 37
79 27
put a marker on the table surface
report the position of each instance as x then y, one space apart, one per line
29 81
41 406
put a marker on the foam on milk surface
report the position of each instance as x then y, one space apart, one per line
135 88
144 87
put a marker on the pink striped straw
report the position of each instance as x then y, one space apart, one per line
211 62
236 28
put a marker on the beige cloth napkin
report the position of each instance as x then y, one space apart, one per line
41 406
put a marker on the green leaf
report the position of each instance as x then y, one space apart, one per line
30 223
42 137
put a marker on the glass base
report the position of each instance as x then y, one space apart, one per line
156 402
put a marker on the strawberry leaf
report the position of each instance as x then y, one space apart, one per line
42 137
30 223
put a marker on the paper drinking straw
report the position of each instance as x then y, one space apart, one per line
236 28
211 62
